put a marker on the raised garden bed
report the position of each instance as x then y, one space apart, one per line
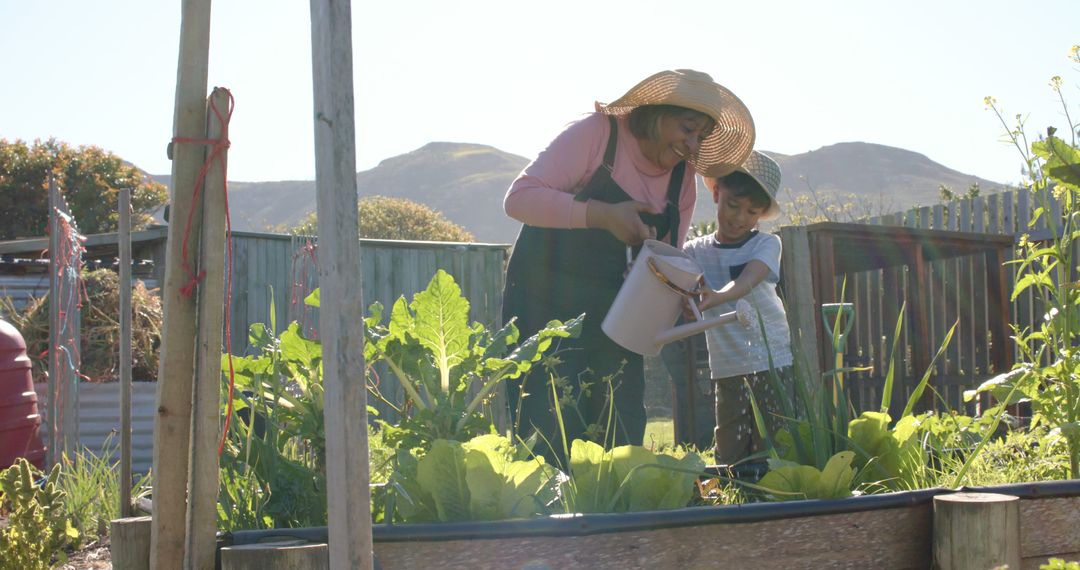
888 531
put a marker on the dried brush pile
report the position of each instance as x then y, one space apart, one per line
99 331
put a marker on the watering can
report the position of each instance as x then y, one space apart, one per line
642 317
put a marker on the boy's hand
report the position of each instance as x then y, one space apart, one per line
709 298
621 219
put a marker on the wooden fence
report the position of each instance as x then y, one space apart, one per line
959 283
278 270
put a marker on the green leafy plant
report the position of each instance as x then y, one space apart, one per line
1047 268
628 478
38 526
273 464
890 456
794 481
486 478
448 369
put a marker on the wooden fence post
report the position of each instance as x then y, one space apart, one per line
124 243
129 543
800 301
976 531
172 424
201 545
341 314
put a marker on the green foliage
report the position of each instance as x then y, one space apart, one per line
91 485
486 478
273 466
628 478
1046 268
1022 455
794 481
89 177
1059 564
448 369
382 217
38 526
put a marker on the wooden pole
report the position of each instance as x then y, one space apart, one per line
976 531
54 382
63 398
172 426
124 242
129 543
285 555
205 428
340 316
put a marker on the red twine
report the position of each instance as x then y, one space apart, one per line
218 147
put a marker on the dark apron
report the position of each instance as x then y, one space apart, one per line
559 274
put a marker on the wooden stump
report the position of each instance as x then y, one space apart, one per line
130 543
976 531
284 555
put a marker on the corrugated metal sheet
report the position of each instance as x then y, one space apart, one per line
99 416
20 288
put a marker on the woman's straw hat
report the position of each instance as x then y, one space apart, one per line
731 140
765 172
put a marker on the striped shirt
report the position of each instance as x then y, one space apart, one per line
735 350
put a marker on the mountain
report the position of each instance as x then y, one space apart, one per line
892 179
466 182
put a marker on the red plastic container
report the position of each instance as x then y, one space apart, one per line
19 418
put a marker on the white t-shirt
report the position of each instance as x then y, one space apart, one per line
735 350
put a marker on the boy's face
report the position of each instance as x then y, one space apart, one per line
735 217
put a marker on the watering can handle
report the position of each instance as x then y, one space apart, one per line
829 311
690 295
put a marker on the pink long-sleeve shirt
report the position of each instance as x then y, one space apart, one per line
543 194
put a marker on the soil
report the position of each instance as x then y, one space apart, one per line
95 555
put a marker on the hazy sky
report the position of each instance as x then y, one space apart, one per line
510 74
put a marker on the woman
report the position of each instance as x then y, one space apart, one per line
610 180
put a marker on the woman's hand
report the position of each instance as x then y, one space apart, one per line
621 219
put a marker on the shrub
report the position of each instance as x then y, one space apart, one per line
38 527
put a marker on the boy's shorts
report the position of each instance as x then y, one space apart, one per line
737 436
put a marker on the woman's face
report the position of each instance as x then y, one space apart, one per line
735 217
678 137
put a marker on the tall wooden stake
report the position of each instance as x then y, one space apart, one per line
54 381
340 316
172 426
205 430
63 382
124 240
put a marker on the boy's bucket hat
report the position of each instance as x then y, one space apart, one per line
766 172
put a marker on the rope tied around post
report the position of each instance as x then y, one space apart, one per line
218 148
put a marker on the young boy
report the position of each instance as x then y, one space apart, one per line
739 261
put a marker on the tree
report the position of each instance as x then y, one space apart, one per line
382 217
89 177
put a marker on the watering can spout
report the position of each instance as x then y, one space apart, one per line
743 313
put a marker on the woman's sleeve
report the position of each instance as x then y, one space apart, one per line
543 194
